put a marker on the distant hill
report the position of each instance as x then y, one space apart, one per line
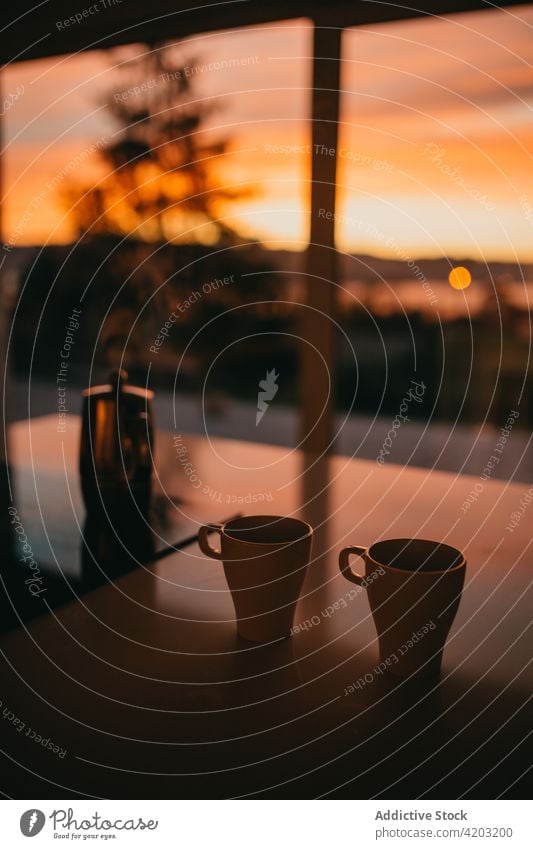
367 267
363 267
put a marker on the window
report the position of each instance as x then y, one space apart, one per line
184 263
434 174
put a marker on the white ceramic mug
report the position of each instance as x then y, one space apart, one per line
265 559
414 588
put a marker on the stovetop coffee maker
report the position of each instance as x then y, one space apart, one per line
116 446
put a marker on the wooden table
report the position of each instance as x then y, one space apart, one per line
145 691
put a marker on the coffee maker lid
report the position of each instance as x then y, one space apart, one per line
118 381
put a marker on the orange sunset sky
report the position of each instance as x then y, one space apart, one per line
436 136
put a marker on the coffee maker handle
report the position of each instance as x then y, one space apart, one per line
344 563
203 540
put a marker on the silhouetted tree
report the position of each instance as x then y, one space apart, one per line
160 181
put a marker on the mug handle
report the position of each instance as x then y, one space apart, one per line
203 540
344 563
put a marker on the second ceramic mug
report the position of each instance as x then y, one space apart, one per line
414 588
265 559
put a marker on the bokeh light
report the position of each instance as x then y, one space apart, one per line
459 277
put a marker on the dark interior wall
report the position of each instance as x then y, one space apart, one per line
29 31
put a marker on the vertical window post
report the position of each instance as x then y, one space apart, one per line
317 329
